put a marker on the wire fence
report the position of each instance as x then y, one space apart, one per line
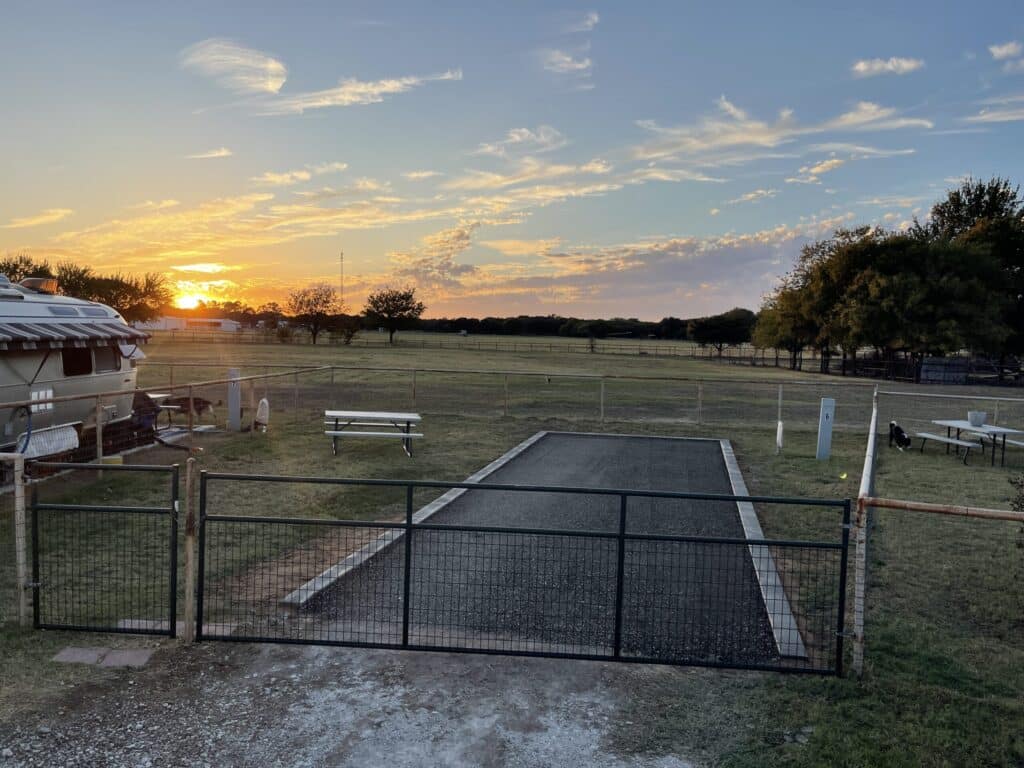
179 401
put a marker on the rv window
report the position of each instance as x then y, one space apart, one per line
77 361
107 359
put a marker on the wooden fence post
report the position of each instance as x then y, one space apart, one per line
99 430
20 541
188 634
859 587
191 422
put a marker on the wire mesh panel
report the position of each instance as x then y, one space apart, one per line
512 592
106 567
264 579
724 603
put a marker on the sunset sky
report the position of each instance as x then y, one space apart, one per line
627 159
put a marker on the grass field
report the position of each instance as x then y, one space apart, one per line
945 655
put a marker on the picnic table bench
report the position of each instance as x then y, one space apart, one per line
982 432
340 424
954 441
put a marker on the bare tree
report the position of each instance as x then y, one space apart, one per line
394 309
314 307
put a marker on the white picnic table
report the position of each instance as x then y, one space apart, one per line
341 425
985 430
158 399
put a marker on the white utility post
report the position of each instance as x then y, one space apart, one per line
234 400
778 428
825 419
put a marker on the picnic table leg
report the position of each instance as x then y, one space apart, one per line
408 441
949 433
1002 457
334 439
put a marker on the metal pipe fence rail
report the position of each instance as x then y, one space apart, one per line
633 585
106 568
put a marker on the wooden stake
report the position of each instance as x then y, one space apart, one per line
188 634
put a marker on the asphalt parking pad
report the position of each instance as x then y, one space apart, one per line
509 591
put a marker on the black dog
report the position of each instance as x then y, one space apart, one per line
897 435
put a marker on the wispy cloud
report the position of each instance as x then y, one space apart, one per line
586 24
810 174
660 173
282 178
1009 50
859 151
892 66
211 154
421 175
351 91
49 216
288 178
519 248
1008 115
565 63
154 205
528 170
543 139
235 67
712 137
753 197
207 267
894 201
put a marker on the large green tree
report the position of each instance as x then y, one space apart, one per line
315 308
394 309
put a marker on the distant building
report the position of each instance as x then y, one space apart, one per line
190 324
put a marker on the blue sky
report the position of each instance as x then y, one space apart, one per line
639 159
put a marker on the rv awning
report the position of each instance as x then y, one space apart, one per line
96 333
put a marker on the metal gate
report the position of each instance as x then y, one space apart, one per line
619 589
104 567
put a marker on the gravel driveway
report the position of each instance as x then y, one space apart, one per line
219 704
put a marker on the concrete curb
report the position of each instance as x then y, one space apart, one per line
301 596
776 603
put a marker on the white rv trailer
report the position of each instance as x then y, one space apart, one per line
55 346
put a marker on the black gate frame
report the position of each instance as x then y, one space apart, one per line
409 526
171 511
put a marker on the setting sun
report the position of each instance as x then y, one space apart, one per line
189 300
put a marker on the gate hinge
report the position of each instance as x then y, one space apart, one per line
177 506
33 584
849 526
846 634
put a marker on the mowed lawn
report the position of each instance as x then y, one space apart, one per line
945 650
